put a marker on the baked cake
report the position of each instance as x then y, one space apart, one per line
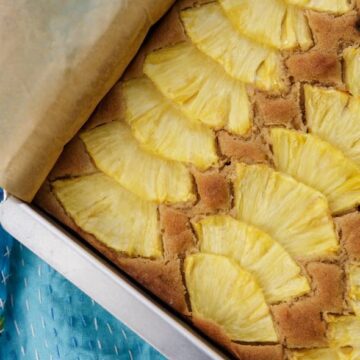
222 172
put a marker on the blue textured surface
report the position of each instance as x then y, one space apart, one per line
6 242
46 317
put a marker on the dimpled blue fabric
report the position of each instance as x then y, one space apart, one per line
46 317
6 242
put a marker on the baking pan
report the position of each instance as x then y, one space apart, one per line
104 283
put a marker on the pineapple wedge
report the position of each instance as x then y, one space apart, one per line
161 128
352 69
243 59
332 6
115 216
202 89
221 291
270 22
292 213
319 165
116 152
335 117
343 331
256 252
346 353
354 281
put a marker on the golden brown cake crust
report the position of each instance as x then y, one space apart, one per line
258 352
322 63
178 238
214 191
280 111
329 283
299 323
73 161
251 151
161 277
350 234
110 108
212 330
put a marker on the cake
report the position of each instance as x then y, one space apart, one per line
222 173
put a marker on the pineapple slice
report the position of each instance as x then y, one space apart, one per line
343 331
354 280
243 59
163 129
221 291
255 251
319 165
335 117
346 353
270 22
115 216
290 212
203 90
116 152
352 69
332 6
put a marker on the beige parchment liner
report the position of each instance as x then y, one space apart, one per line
57 60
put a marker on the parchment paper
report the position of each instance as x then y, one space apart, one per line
58 58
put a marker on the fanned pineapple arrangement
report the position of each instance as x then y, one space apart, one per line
195 178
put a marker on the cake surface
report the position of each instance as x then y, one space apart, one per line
222 172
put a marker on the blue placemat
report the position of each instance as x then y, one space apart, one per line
46 317
6 242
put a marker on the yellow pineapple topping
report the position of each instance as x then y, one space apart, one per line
116 152
333 6
221 291
345 353
343 331
164 130
352 69
334 116
270 22
115 216
243 59
290 212
203 90
256 252
319 165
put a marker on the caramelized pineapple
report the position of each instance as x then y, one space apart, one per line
115 216
332 6
221 291
354 280
243 59
334 116
116 152
164 130
270 22
352 69
319 165
256 252
203 90
290 212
